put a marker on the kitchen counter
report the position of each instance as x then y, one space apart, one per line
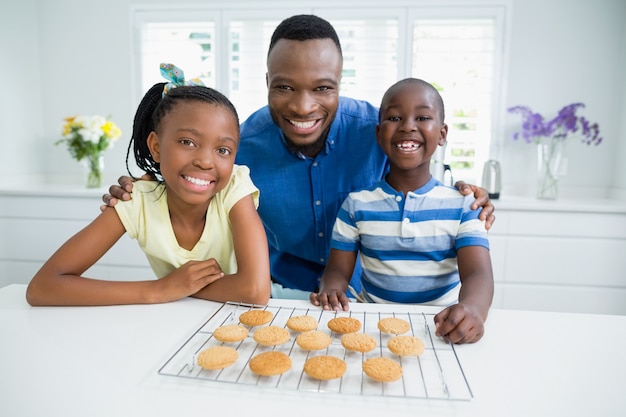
561 204
583 204
104 361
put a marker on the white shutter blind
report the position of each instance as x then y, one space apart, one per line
457 56
188 45
370 48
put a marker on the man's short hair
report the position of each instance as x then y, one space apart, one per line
304 27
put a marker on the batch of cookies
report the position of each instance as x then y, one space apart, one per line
321 367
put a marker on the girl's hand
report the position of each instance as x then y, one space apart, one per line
330 299
460 323
188 280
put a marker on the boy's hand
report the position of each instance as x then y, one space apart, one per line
460 323
482 200
330 299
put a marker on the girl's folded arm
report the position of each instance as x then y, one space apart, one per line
60 280
251 284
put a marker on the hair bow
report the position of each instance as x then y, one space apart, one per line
176 77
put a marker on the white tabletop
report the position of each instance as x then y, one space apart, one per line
104 361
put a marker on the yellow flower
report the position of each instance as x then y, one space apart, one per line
69 123
88 136
111 130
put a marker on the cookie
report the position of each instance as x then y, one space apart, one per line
217 357
406 345
256 317
325 367
358 342
230 333
393 325
270 363
344 325
302 323
382 369
271 336
313 340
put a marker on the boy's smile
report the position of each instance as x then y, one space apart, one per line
408 146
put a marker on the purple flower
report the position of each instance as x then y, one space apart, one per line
534 126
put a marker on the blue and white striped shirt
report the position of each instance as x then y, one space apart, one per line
408 246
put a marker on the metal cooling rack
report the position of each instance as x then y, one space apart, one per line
435 374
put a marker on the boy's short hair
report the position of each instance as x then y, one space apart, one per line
427 85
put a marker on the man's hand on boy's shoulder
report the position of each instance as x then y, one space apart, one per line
482 200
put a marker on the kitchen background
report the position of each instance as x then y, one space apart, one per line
63 57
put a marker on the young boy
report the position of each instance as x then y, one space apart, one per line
419 241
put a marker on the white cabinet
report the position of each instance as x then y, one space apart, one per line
35 222
564 255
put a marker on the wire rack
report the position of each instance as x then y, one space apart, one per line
435 374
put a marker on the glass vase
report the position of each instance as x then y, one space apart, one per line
94 164
549 157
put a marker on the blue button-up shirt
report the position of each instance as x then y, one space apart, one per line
301 196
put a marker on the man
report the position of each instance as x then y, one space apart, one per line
306 150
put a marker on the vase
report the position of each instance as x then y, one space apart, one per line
94 164
549 157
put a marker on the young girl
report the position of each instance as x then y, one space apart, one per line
197 224
419 241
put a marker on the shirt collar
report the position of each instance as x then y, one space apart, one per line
432 183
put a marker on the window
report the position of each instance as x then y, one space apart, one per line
455 48
457 56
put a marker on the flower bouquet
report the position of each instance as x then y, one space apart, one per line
87 138
550 136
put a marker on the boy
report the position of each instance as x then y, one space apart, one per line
419 241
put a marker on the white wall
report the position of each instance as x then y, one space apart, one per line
564 51
21 111
65 57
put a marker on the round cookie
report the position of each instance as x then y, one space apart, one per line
344 325
406 345
393 325
382 369
358 342
325 367
217 357
313 340
271 336
302 323
230 333
270 363
256 317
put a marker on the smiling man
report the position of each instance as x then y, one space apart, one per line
306 150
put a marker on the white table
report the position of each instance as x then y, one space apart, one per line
104 361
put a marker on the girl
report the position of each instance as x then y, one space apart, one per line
197 223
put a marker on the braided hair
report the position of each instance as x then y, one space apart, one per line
153 107
304 27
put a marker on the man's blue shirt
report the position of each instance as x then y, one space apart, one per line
301 196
